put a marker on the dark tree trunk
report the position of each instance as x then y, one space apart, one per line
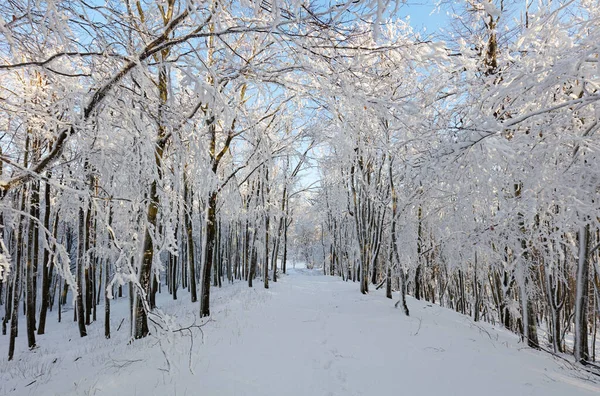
211 220
580 349
106 299
87 300
14 319
253 264
98 285
265 201
59 308
419 250
33 248
94 285
388 278
80 262
48 265
476 292
418 282
153 290
132 308
217 257
89 294
229 246
7 305
285 244
141 321
188 201
174 283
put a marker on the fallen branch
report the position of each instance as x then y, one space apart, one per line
120 324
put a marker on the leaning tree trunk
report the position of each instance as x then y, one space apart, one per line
141 319
211 216
141 305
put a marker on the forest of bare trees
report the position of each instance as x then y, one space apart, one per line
152 146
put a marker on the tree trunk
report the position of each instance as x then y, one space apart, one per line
80 262
388 277
141 320
188 201
16 297
419 250
580 349
88 262
174 284
553 293
253 264
48 265
31 273
106 299
401 273
476 292
285 244
7 304
32 254
265 201
211 224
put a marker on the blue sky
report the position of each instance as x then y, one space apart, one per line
421 15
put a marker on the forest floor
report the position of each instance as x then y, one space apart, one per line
305 335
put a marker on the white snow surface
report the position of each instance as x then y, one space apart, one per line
306 335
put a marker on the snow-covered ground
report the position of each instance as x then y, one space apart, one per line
306 335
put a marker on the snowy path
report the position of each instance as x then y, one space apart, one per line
320 336
306 335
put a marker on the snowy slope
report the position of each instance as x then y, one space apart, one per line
306 335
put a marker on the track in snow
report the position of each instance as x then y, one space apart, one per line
307 335
317 335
